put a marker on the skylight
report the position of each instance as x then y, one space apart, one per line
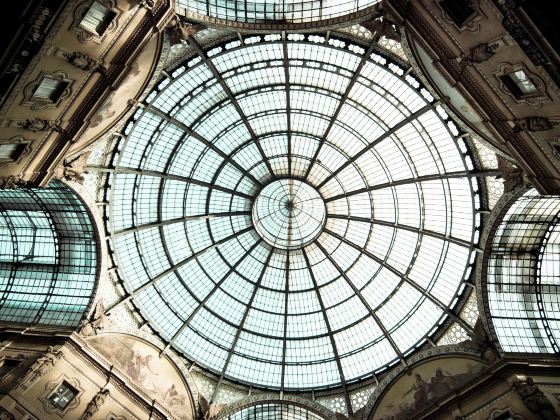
282 11
293 213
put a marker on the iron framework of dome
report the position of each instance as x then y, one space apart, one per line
293 212
274 11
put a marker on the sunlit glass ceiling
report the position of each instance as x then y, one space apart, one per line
278 11
293 214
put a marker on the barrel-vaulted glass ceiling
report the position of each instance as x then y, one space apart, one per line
293 212
279 11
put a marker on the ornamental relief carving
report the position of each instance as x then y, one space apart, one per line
35 102
85 35
472 24
535 99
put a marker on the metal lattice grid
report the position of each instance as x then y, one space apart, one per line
398 187
522 276
276 11
274 411
48 257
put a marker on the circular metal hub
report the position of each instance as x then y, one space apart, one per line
288 213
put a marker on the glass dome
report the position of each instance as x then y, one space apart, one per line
274 11
295 213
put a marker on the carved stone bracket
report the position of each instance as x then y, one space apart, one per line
95 404
97 321
555 147
179 31
209 411
383 26
482 342
72 170
513 176
480 53
147 4
535 400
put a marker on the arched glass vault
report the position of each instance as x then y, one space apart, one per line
293 213
274 11
48 257
521 275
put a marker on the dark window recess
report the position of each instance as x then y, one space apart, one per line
557 150
460 11
504 416
50 89
63 395
11 152
7 366
97 18
519 84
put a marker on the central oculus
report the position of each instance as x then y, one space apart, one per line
288 213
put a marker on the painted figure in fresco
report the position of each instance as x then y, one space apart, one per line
173 398
421 390
442 384
144 371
